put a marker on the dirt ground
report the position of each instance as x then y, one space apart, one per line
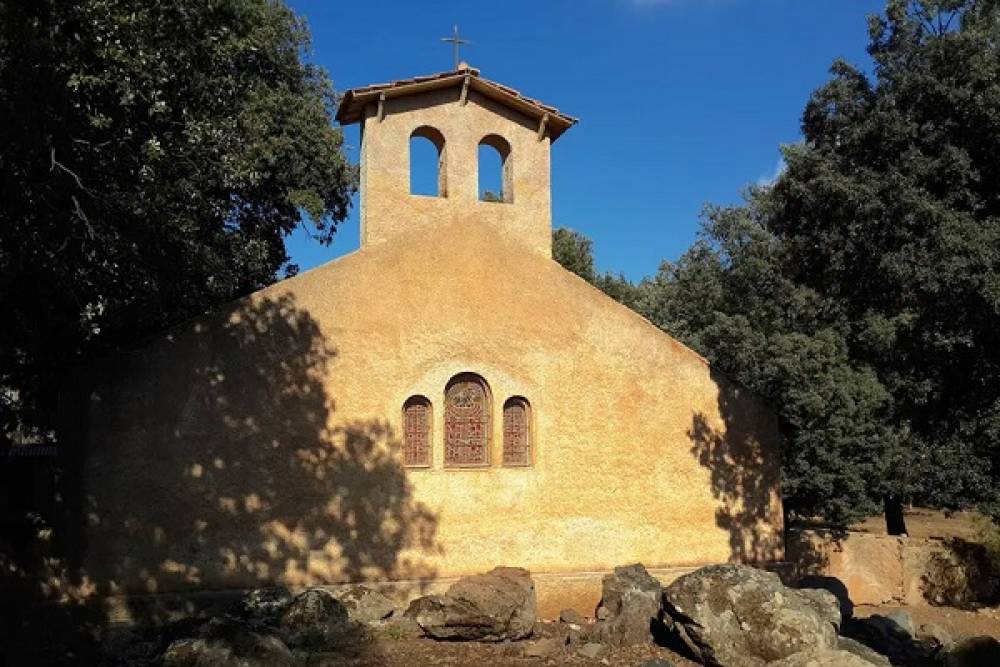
926 524
389 651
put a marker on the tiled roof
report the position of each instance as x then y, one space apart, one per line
351 109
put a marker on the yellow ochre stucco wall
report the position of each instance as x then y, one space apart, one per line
262 443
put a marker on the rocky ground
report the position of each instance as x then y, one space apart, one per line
723 615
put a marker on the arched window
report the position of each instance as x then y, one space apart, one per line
428 175
467 421
417 431
495 170
517 432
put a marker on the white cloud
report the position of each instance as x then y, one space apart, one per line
768 179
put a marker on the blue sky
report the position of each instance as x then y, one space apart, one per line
681 102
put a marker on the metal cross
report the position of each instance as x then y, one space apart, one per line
456 43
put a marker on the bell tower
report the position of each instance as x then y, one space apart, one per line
458 112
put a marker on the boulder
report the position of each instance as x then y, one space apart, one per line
740 616
497 606
835 586
246 649
825 658
630 600
265 605
572 616
314 620
825 603
973 652
365 605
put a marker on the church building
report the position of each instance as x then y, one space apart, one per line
444 400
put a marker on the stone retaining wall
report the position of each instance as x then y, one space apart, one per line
882 569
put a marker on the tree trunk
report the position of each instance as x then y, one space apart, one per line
895 523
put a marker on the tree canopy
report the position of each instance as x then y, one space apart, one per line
154 157
860 293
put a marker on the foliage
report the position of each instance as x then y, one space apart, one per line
891 210
988 535
575 252
860 294
154 157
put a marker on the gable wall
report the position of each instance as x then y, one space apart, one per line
262 444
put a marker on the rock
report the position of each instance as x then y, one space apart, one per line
574 635
903 621
655 662
543 648
935 634
862 651
496 606
886 637
631 599
265 605
729 615
314 620
834 586
128 646
590 650
400 627
824 658
888 627
248 649
188 652
825 603
223 627
973 652
365 605
571 616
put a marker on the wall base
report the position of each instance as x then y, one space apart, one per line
580 591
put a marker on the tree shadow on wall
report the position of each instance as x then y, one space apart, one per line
745 472
214 459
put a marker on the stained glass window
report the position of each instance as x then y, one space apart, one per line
466 421
417 431
516 432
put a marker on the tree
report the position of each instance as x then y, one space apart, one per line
890 209
575 252
155 155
